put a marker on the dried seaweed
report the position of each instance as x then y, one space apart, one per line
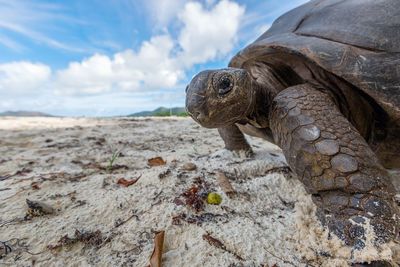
218 244
4 160
90 239
195 196
280 169
5 177
199 219
14 245
287 204
98 166
79 203
280 258
22 172
164 174
35 185
13 221
5 249
100 141
120 222
68 144
59 176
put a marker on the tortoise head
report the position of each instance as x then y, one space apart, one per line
217 98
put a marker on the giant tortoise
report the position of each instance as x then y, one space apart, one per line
323 83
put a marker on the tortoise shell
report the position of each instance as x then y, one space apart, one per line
357 41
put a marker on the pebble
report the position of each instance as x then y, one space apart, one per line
189 166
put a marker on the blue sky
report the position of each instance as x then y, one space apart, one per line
115 57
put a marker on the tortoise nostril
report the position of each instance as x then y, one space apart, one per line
200 116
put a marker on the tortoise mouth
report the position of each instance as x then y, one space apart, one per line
200 118
208 122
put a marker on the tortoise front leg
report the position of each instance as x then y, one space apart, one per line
234 139
335 164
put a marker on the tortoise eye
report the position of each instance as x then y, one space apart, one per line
225 85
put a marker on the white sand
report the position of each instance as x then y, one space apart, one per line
270 221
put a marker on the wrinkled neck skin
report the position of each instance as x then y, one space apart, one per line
263 95
258 115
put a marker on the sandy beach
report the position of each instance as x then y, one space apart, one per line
102 210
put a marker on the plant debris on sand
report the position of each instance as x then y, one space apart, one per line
70 195
126 183
195 196
88 238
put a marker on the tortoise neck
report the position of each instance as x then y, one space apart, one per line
261 99
268 83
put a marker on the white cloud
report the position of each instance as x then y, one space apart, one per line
160 62
205 32
90 76
208 33
152 67
162 12
23 77
210 2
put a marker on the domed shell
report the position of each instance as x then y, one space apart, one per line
358 41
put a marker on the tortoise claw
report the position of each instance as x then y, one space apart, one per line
352 229
245 153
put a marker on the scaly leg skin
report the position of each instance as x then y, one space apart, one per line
336 165
235 140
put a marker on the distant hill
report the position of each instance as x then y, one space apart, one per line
161 112
24 114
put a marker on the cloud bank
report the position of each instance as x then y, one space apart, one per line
161 62
186 35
